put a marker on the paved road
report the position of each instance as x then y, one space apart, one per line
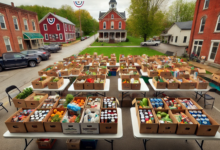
20 77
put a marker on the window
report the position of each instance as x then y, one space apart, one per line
61 36
58 27
119 26
45 27
15 23
2 22
185 38
112 16
171 39
104 25
217 28
112 25
206 4
197 46
202 25
66 27
20 43
213 50
69 28
33 25
25 24
18 56
46 37
176 39
9 56
8 44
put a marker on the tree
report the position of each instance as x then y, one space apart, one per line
145 17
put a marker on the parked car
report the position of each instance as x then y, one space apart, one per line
42 54
87 37
82 38
53 48
17 60
150 43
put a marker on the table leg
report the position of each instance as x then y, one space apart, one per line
112 142
26 144
200 145
145 142
122 98
104 94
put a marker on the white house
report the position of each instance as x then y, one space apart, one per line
178 34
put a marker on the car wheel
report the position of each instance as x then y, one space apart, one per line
156 44
32 63
145 44
1 68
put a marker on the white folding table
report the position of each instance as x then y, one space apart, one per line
144 74
60 135
147 137
70 76
106 89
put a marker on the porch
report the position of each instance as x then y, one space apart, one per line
112 36
33 40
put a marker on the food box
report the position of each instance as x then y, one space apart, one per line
109 125
157 104
200 83
35 100
93 69
20 103
113 101
54 126
193 83
126 83
135 84
57 84
94 102
182 128
76 71
45 144
79 83
164 73
88 127
216 78
66 72
79 101
103 69
73 144
141 103
184 84
53 72
89 84
167 128
123 70
49 103
112 62
189 103
34 125
41 82
17 127
113 58
131 68
44 71
158 84
152 72
144 67
98 84
171 83
125 75
173 103
95 63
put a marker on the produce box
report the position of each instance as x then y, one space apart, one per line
152 72
89 84
159 83
135 58
45 144
173 103
189 103
54 126
85 62
105 58
113 59
135 84
79 83
94 102
166 128
200 83
18 127
171 83
49 103
112 100
53 72
186 123
44 71
66 72
207 130
79 101
76 71
95 63
113 55
41 82
132 68
33 124
216 78
144 67
93 69
108 125
123 65
184 84
141 103
35 99
191 69
19 100
126 83
103 63
103 69
112 63
164 73
73 144
157 104
150 60
93 74
123 70
193 83
55 83
99 83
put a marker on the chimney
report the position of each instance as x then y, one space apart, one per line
66 17
54 13
12 4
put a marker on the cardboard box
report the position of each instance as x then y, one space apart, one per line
136 86
40 85
185 129
196 104
171 85
137 100
93 69
100 86
76 71
167 128
184 84
45 145
152 73
159 85
192 85
20 103
82 107
144 67
126 86
216 78
31 103
123 70
200 85
112 63
56 85
89 86
164 73
53 72
115 100
103 70
79 86
42 72
54 106
73 144
164 104
113 58
66 72
53 126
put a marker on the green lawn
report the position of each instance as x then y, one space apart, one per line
107 51
133 41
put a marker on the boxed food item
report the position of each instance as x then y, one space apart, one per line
164 73
34 122
15 123
126 83
89 84
159 83
200 83
41 82
135 84
73 144
19 100
35 100
103 63
79 83
193 83
49 103
189 103
110 102
95 63
66 72
132 68
45 143
99 83
158 103
112 62
167 122
55 83
172 103
44 71
77 101
93 69
144 67
183 84
186 124
152 72
90 121
103 69
171 83
113 55
94 102
216 78
76 71
54 72
108 121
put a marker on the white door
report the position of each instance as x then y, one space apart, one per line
197 47
213 51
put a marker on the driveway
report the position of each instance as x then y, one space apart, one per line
166 47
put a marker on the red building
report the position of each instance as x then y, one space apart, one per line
112 24
55 28
19 29
205 33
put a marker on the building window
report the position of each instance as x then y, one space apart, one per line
112 25
185 38
33 25
25 24
66 27
69 28
112 16
20 43
61 36
104 25
197 46
206 4
176 39
58 27
202 25
46 37
8 44
171 39
2 22
119 26
213 51
217 28
45 27
16 23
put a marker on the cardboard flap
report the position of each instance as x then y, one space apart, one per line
134 101
201 70
117 102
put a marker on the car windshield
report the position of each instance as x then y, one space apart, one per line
24 52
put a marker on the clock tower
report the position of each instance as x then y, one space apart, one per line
112 4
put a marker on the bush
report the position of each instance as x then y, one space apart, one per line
165 41
127 40
97 40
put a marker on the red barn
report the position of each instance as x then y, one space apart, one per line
112 24
205 33
57 29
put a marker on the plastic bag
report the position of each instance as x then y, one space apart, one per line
73 107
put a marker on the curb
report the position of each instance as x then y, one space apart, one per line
69 44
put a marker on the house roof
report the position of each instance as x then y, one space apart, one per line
121 14
112 1
184 25
62 19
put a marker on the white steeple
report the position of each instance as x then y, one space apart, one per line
112 4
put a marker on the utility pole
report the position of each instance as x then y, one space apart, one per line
80 23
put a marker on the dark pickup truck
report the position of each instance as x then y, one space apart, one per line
17 60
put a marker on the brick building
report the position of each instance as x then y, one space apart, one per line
205 33
112 24
55 28
19 29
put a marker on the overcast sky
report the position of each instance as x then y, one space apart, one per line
93 6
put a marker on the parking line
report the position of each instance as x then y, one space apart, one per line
216 109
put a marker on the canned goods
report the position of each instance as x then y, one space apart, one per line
143 121
200 112
204 116
208 122
157 105
153 105
194 116
195 112
199 116
199 120
191 112
204 122
161 104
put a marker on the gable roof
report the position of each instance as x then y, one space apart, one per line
62 19
103 14
184 25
